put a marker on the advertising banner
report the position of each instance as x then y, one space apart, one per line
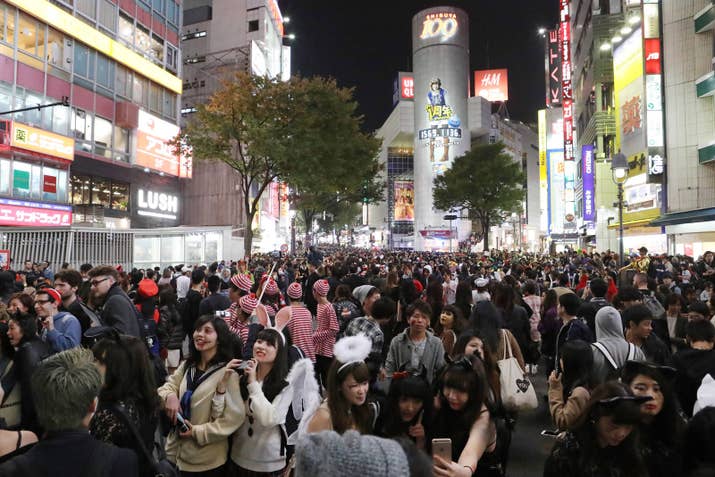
21 213
153 150
553 69
49 184
566 86
557 205
629 95
4 259
407 86
543 174
43 142
588 175
492 85
404 201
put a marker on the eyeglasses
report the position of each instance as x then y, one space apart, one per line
94 283
42 302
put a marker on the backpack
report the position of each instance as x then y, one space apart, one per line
655 307
614 374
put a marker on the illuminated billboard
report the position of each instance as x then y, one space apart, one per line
404 200
553 69
589 190
492 85
20 213
42 142
153 150
566 86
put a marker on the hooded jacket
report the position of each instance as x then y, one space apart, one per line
609 333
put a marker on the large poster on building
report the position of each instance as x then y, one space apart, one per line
492 85
629 95
589 191
404 200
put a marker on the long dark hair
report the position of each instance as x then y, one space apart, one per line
410 387
485 320
491 369
342 413
668 425
623 412
578 366
463 298
129 375
465 374
458 323
504 297
275 380
224 342
551 300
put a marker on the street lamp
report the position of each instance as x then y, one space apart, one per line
450 217
619 171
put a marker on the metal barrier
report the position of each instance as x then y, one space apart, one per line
74 246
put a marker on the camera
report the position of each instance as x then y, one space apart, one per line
241 367
222 314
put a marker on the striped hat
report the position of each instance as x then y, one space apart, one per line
56 297
248 303
295 291
271 287
321 287
242 282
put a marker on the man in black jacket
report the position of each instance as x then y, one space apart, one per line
694 362
588 310
117 308
65 387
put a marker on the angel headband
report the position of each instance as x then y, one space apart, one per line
352 349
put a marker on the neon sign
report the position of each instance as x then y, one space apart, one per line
439 24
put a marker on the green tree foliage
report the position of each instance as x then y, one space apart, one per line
304 132
486 182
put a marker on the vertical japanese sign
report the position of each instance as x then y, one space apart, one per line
587 172
543 174
553 69
655 134
566 86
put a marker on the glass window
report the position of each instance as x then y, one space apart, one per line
4 173
60 119
82 124
120 196
158 6
28 98
194 245
21 179
36 182
103 137
62 186
146 249
58 51
157 48
9 24
140 89
101 192
142 39
169 104
3 9
50 183
125 29
253 25
121 139
213 247
105 71
27 34
87 7
5 96
107 14
172 57
83 61
80 190
122 81
155 99
172 247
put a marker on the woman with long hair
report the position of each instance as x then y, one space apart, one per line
347 406
471 342
661 425
129 390
409 409
21 303
549 326
485 320
463 298
513 317
464 417
199 443
604 441
434 297
570 390
259 445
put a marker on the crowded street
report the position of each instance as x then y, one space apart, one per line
319 238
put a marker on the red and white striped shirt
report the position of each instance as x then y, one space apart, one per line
300 327
237 326
324 336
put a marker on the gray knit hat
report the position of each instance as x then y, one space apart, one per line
328 454
361 292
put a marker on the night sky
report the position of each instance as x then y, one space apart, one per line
364 43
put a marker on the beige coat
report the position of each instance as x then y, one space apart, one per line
208 446
566 414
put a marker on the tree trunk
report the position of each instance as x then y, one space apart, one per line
485 233
248 238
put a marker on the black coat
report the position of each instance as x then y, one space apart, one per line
70 453
27 357
118 312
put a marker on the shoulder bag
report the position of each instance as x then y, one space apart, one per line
517 392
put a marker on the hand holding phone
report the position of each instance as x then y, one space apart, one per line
442 448
181 423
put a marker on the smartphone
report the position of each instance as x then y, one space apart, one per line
442 448
181 423
549 433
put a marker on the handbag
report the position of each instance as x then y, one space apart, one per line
162 467
517 392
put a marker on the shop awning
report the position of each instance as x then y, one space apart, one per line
687 217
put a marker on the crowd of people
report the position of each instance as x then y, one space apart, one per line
359 362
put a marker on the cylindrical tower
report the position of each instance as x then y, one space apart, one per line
440 57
